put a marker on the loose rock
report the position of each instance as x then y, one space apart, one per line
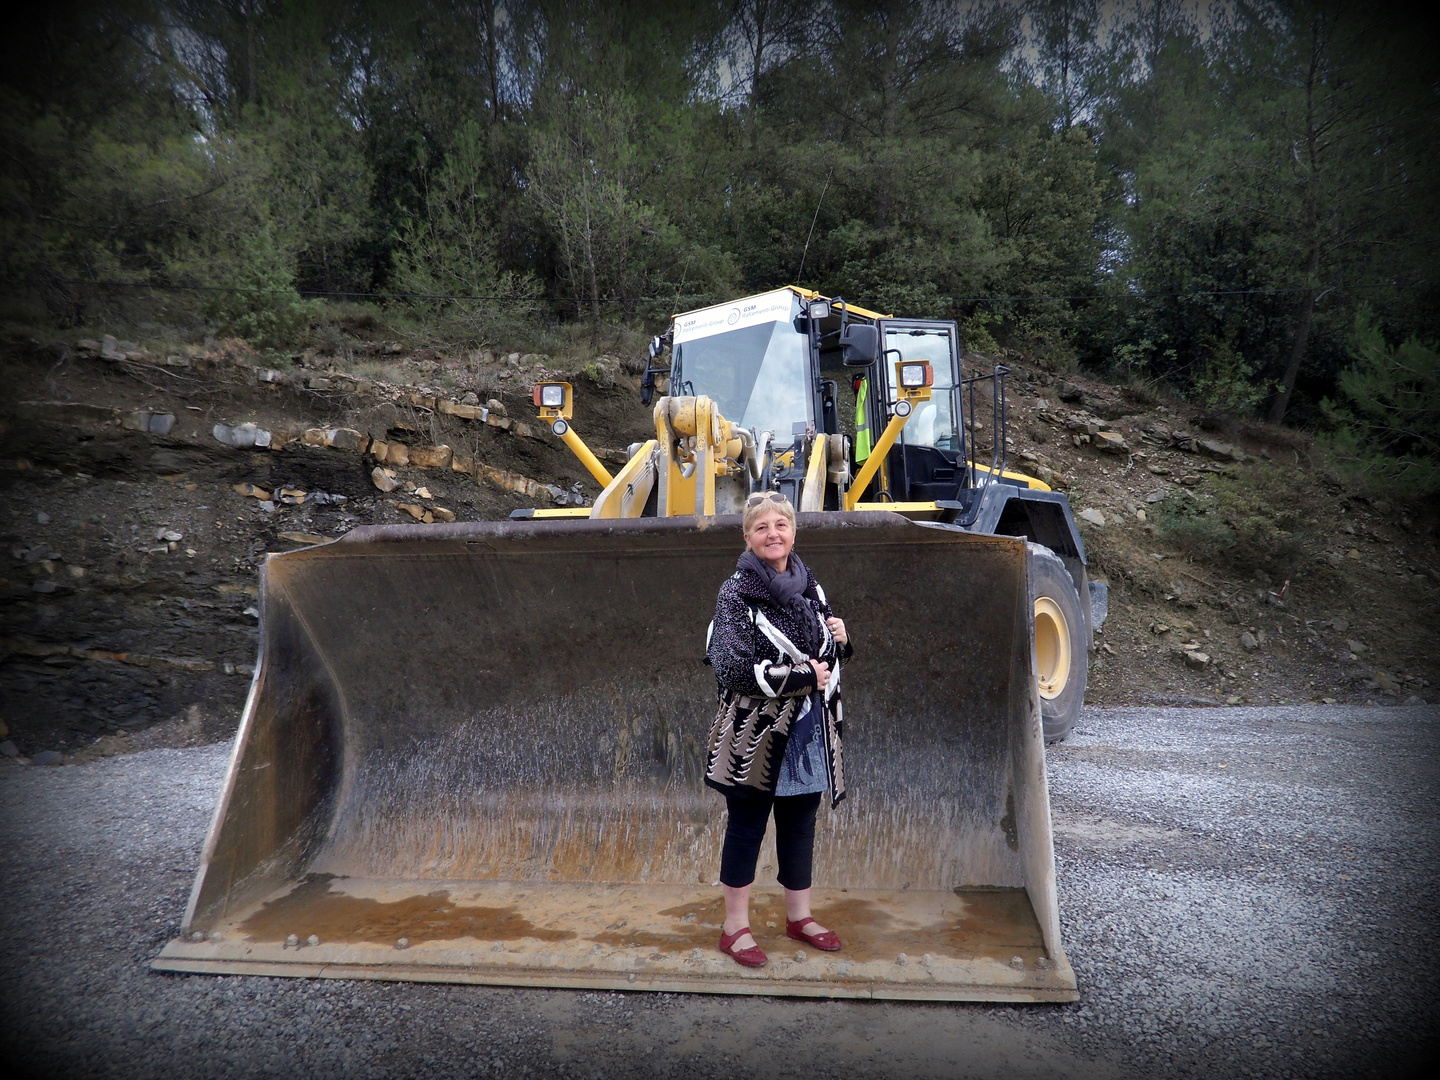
241 436
1095 517
1110 442
1221 451
47 757
431 457
346 439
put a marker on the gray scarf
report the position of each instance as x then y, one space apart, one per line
787 589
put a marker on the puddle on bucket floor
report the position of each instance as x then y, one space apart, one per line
312 907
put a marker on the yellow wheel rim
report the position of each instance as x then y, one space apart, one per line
1052 648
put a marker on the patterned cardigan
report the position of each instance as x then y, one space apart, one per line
763 679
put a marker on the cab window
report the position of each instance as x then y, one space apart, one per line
933 422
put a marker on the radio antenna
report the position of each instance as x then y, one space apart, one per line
814 219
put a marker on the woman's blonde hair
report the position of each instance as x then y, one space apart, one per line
762 502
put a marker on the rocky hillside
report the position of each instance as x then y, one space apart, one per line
144 487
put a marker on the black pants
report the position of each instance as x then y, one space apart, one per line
794 837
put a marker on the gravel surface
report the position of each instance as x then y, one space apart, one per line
1243 892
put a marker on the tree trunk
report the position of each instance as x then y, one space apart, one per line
492 73
1312 221
251 91
889 90
1302 341
757 58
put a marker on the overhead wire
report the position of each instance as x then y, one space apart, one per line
1134 297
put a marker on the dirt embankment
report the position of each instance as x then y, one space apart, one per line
143 490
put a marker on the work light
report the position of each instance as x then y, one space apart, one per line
914 376
818 309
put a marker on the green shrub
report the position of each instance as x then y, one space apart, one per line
258 301
447 254
1250 522
1385 430
1227 382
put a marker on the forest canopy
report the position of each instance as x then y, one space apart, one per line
1204 195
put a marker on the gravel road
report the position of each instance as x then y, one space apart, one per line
1243 892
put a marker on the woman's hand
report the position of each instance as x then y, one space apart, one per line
822 673
837 628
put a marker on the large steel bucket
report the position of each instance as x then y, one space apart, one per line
473 753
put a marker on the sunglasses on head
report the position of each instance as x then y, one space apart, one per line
761 496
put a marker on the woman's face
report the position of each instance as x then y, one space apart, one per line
771 537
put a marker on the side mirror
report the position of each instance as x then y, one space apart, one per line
859 344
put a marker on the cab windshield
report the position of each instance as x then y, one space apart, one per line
756 374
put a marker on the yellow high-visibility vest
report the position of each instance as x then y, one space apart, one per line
862 421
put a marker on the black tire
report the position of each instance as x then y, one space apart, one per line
1062 642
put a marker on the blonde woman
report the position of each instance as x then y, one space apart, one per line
774 747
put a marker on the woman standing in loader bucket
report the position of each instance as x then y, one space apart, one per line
777 649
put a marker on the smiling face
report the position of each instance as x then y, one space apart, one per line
770 537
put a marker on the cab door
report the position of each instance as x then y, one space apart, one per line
923 465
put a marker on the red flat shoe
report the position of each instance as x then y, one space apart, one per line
751 957
826 941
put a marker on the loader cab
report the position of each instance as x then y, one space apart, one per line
753 360
778 363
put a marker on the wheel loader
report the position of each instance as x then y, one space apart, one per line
473 752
